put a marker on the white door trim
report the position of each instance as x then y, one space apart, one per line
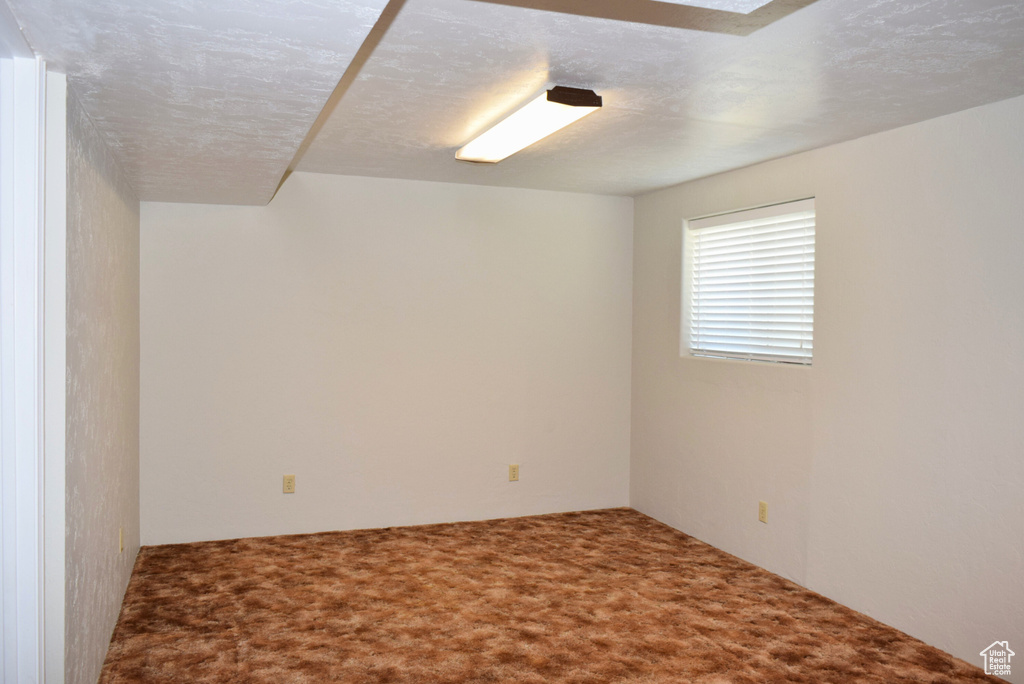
22 126
55 375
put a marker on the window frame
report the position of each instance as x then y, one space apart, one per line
776 209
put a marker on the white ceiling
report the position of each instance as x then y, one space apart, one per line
201 101
211 102
679 104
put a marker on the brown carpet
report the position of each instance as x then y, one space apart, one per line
601 596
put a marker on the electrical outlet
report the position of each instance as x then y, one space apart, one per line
762 512
513 473
120 540
289 484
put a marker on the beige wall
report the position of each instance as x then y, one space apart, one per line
892 467
395 345
102 403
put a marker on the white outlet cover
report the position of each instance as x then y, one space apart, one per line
737 6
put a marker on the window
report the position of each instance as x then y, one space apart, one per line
748 284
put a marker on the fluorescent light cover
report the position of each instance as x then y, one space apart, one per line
737 6
535 121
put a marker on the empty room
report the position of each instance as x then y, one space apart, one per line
512 341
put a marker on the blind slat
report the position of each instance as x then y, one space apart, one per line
751 356
767 348
798 236
788 329
754 319
712 236
759 298
785 286
751 256
770 277
764 265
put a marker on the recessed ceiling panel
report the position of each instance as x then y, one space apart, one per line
703 15
678 104
740 6
201 101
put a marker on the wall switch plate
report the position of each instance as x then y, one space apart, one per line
513 473
289 484
762 512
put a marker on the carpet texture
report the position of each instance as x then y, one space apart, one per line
601 596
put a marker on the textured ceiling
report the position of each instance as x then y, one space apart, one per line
201 101
212 102
679 104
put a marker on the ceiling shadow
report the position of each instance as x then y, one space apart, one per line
667 14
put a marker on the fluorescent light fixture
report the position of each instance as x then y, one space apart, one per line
551 111
737 6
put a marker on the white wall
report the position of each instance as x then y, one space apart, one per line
893 466
395 345
102 405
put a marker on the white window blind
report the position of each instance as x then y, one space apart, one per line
748 284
